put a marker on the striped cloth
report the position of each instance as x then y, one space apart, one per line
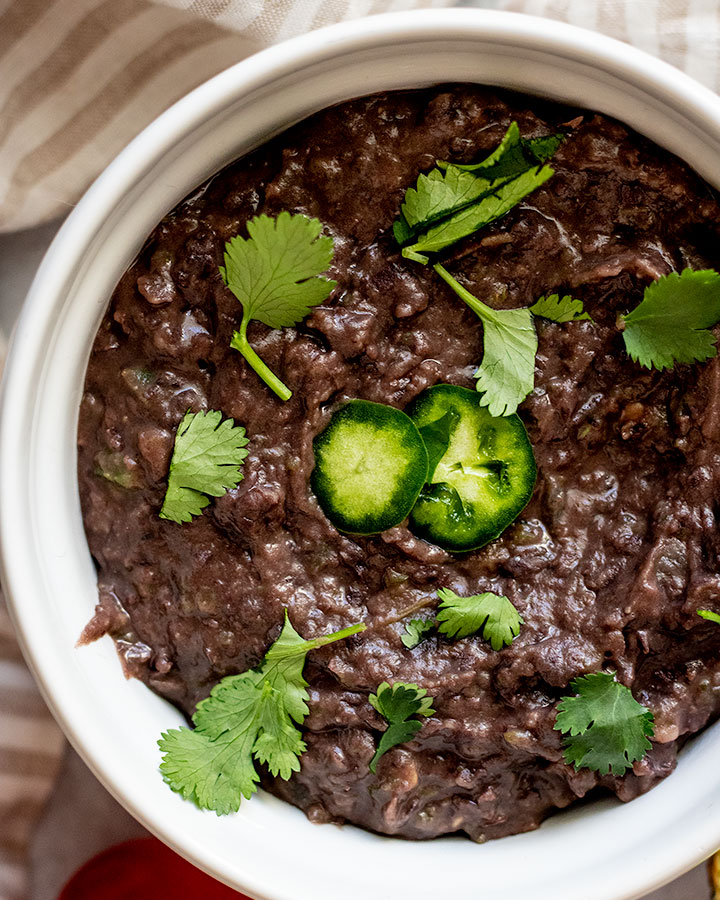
30 748
685 33
79 78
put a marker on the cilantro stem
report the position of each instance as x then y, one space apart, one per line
485 312
340 635
409 610
240 343
305 646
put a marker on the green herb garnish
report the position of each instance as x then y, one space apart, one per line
560 309
491 614
469 220
506 374
513 155
452 202
416 630
436 196
671 323
205 463
276 275
605 728
246 719
397 705
709 615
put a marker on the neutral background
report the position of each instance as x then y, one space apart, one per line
81 818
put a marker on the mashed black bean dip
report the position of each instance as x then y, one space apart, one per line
608 563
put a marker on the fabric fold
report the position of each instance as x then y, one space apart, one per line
80 78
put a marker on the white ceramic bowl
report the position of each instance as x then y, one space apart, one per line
602 851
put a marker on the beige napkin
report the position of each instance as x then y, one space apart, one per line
80 78
30 746
685 33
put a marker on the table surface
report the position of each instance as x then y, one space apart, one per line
63 841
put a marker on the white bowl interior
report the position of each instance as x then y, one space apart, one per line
603 851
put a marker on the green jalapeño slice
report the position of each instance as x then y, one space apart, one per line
482 471
370 465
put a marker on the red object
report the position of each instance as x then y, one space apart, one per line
143 869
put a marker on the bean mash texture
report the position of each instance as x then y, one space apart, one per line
607 565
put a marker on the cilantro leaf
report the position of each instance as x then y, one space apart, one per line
507 372
438 194
545 147
514 155
490 613
416 631
468 219
453 201
605 727
396 705
436 437
275 274
557 309
670 324
709 615
206 460
247 718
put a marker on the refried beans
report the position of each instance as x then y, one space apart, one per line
607 565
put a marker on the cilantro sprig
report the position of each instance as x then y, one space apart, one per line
247 719
493 615
206 461
560 309
416 631
276 276
506 374
468 220
452 202
397 704
436 196
671 323
606 729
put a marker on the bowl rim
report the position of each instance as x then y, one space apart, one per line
23 585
